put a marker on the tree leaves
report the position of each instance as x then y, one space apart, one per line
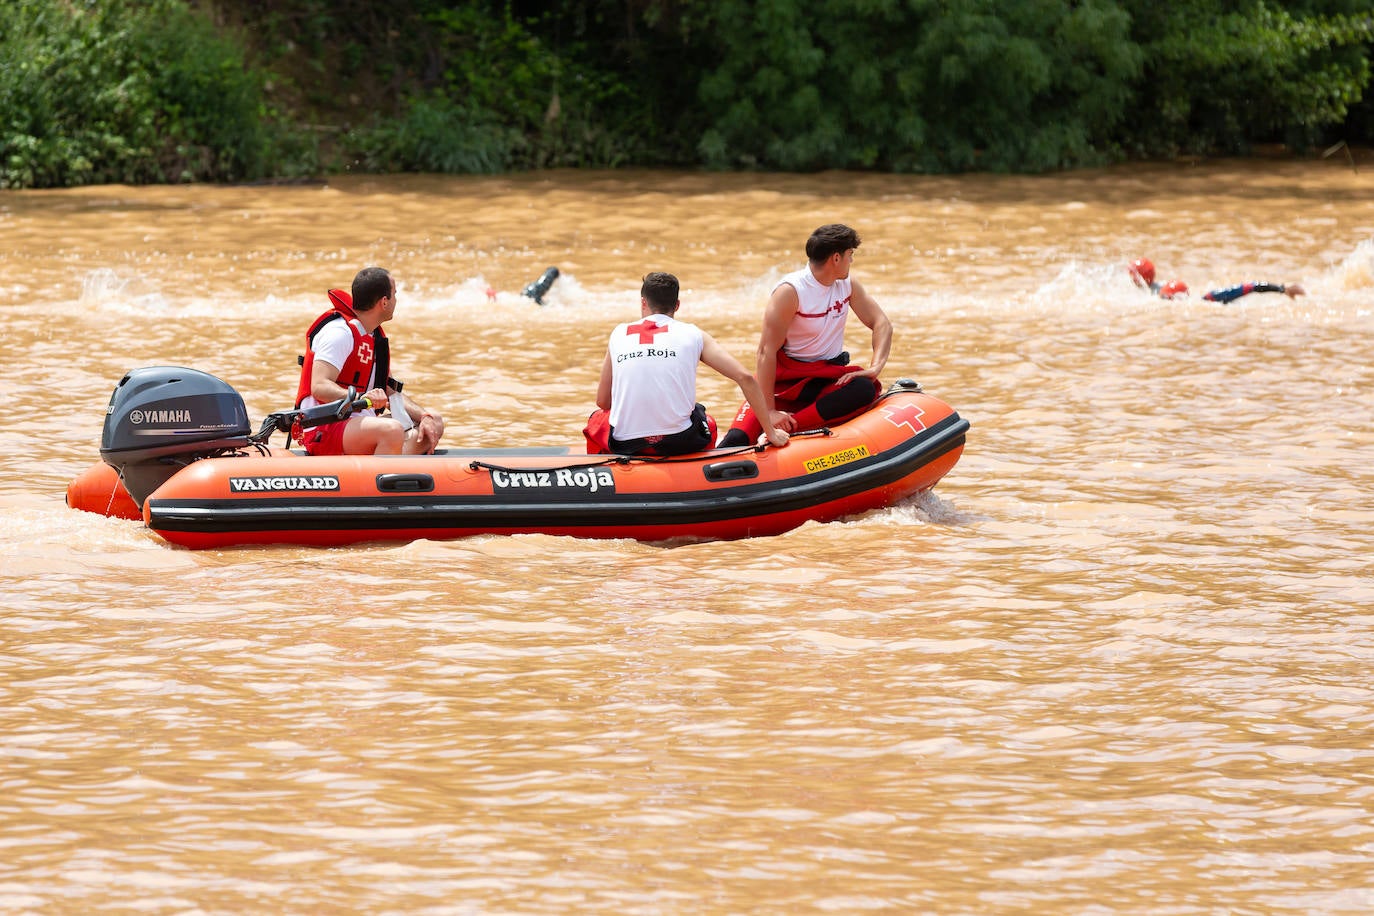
106 90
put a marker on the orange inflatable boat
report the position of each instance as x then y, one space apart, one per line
177 453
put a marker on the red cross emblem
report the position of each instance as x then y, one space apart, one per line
365 351
908 415
646 330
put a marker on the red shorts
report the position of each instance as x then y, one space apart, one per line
325 440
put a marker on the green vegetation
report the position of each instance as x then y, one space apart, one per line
141 91
96 92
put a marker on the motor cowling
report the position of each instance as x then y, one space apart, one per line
162 418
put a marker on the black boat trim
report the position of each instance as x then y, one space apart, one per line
628 511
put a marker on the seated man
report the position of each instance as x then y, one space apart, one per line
1143 273
802 364
345 347
647 396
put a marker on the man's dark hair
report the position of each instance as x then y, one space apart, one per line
834 238
660 290
370 286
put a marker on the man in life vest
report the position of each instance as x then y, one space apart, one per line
802 364
345 347
1142 272
647 396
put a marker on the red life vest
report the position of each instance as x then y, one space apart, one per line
370 351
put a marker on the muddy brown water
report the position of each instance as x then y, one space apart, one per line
1118 661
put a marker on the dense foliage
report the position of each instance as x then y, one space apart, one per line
97 92
184 90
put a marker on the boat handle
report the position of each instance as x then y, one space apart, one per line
405 483
731 470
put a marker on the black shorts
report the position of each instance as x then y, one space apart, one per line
695 438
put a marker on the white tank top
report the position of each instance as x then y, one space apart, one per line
817 330
653 376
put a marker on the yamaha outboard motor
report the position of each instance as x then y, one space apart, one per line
162 418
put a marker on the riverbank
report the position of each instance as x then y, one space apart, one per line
175 91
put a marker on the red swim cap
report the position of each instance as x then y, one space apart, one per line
1142 271
1174 289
